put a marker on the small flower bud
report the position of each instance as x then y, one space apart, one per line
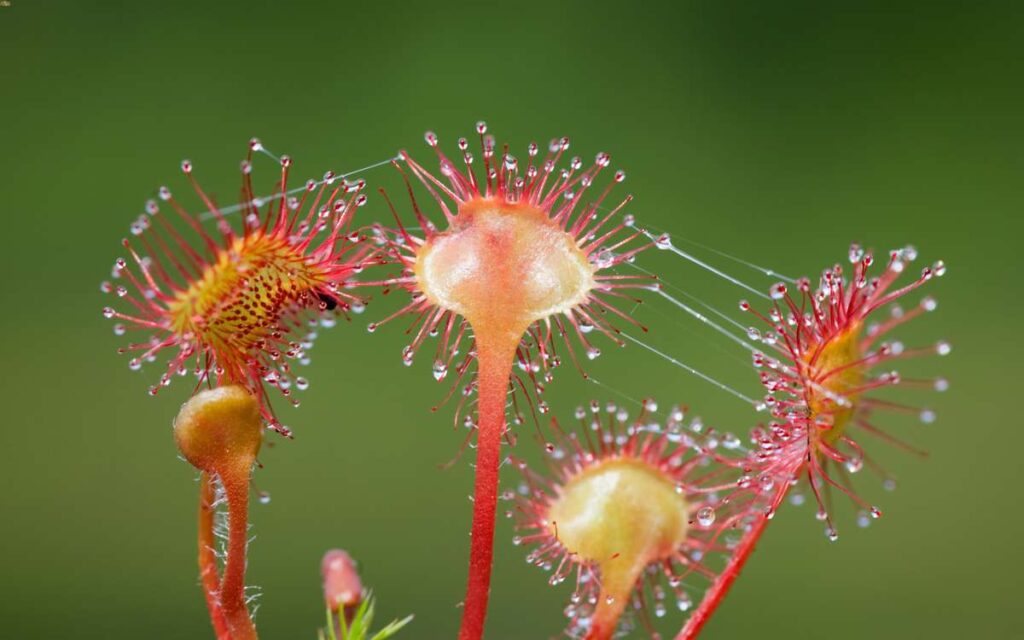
342 587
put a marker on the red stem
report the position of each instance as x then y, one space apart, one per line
495 368
601 631
207 560
721 587
232 592
606 618
718 591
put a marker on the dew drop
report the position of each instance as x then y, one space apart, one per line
264 497
706 516
683 602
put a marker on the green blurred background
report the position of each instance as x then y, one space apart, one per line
776 131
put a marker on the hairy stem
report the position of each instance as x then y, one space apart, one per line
207 560
495 367
232 592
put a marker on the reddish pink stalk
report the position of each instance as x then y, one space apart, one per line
720 588
716 593
232 592
606 620
207 560
495 367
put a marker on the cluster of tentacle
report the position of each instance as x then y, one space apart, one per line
241 302
546 191
824 363
713 484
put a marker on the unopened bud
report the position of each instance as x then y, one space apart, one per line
343 590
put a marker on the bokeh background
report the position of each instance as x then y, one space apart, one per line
778 132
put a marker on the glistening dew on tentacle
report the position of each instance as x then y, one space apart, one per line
780 449
518 264
820 370
535 231
240 305
638 512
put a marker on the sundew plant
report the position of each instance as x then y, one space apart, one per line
513 264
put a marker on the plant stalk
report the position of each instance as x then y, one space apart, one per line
207 560
732 570
232 592
494 358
